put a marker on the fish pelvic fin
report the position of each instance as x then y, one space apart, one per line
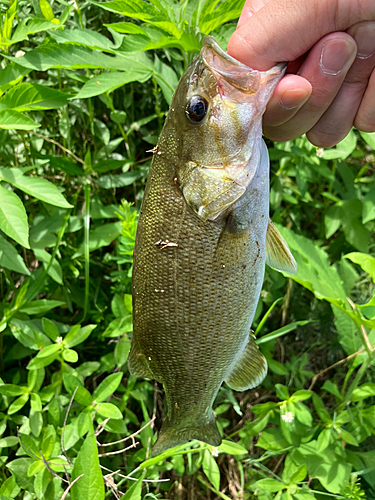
278 255
172 435
137 362
249 370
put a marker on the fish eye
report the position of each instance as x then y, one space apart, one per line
196 109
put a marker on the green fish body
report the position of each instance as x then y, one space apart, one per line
200 250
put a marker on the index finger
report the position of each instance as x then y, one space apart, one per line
283 30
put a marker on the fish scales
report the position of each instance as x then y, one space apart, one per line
200 248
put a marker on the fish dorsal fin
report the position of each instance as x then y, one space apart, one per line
249 370
278 255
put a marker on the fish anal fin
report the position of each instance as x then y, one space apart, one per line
278 255
175 434
137 363
249 370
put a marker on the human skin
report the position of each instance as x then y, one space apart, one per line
330 81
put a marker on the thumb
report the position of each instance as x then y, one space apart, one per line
283 30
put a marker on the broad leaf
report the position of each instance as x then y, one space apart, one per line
11 119
107 387
13 218
107 82
10 258
91 485
101 237
34 186
31 96
54 55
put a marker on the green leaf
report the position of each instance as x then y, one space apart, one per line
355 232
35 401
270 484
111 181
11 75
12 390
34 186
273 440
364 391
35 468
107 82
91 485
333 219
50 329
107 387
135 490
137 9
303 414
348 437
18 404
37 25
46 10
31 96
280 332
83 397
101 237
10 258
231 448
77 335
211 469
54 55
13 218
14 120
321 410
368 206
301 395
48 350
369 138
9 441
108 410
70 355
40 306
299 475
314 271
9 488
87 38
367 262
282 392
215 14
343 148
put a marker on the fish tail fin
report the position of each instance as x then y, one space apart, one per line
172 435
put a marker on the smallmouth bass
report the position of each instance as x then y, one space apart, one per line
202 242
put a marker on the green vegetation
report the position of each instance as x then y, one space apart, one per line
85 87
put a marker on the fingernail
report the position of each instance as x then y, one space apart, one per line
365 40
294 98
335 56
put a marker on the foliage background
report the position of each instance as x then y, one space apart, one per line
85 87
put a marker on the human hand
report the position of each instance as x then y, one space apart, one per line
330 81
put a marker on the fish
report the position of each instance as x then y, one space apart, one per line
202 241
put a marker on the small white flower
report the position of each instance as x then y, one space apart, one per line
215 452
19 53
62 457
134 126
59 340
288 417
319 152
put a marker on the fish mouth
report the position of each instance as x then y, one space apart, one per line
235 73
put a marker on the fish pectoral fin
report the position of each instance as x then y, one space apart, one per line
137 363
278 255
249 370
